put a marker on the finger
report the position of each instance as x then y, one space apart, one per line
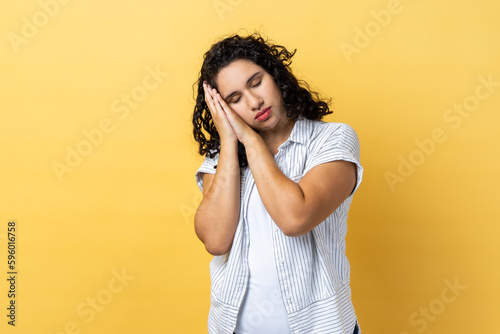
209 99
223 104
224 107
233 118
208 89
211 91
210 103
216 101
208 95
218 104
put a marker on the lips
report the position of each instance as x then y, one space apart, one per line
264 111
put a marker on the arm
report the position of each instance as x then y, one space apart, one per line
217 216
299 207
295 207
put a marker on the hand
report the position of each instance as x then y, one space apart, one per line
226 116
242 130
219 117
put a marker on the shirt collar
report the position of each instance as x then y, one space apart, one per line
301 131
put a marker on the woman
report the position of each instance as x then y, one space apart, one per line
277 184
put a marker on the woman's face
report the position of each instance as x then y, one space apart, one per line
252 93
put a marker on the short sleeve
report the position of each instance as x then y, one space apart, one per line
339 142
208 166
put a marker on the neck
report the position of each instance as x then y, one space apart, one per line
278 135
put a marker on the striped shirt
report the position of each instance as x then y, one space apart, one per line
313 269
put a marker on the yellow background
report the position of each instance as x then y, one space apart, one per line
129 204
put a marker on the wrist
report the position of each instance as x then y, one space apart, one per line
229 142
253 144
250 139
230 146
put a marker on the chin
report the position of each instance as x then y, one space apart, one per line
264 127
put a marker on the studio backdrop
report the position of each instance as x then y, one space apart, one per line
97 158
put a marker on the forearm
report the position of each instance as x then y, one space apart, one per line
218 213
283 198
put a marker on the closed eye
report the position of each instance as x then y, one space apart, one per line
253 86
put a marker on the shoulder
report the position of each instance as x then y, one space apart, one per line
321 131
331 127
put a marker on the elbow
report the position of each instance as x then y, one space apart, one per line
296 227
299 222
214 243
217 249
293 231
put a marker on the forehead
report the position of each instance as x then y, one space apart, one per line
236 74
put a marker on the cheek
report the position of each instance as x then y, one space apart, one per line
272 90
242 112
277 91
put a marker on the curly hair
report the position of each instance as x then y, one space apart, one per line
298 99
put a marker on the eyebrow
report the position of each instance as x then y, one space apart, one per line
248 81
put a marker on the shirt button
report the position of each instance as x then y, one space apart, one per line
295 332
282 260
289 297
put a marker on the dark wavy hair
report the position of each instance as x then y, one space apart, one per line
298 99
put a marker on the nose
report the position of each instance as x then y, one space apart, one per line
254 101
